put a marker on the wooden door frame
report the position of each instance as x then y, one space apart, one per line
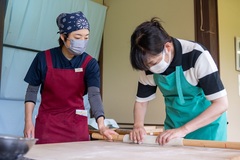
206 26
2 17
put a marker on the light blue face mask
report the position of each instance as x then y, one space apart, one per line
77 46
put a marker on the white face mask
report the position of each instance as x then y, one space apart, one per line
162 65
77 46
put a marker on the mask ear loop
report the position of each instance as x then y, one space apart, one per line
163 56
66 44
169 56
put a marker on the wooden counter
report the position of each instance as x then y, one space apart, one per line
103 150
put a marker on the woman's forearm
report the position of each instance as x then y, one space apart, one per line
217 108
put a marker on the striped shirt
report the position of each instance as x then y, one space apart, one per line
198 67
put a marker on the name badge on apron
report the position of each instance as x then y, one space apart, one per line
81 112
78 69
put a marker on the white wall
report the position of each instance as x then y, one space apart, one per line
229 27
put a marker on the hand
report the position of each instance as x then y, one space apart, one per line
167 135
29 130
136 135
105 131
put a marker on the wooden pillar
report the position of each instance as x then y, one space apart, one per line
206 26
2 17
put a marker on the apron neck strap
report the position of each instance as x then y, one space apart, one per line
179 87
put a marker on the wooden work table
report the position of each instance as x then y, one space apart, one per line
103 150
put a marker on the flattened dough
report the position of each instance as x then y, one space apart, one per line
152 140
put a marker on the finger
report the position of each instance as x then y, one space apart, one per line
28 135
164 139
134 137
33 135
25 135
108 135
161 138
131 136
142 134
168 139
157 140
163 142
139 137
113 132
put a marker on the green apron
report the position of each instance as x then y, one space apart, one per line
184 102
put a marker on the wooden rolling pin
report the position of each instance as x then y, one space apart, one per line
155 132
177 141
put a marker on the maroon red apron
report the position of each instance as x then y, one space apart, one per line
62 94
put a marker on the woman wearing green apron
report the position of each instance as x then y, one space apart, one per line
184 71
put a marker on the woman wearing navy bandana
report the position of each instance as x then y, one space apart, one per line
64 75
184 71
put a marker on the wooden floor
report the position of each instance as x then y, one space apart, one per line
102 150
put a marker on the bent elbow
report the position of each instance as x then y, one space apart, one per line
224 103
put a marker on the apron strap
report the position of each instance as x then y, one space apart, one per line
179 87
48 59
87 59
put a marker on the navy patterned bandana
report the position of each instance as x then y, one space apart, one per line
69 22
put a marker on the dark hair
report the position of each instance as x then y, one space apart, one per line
148 39
60 41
